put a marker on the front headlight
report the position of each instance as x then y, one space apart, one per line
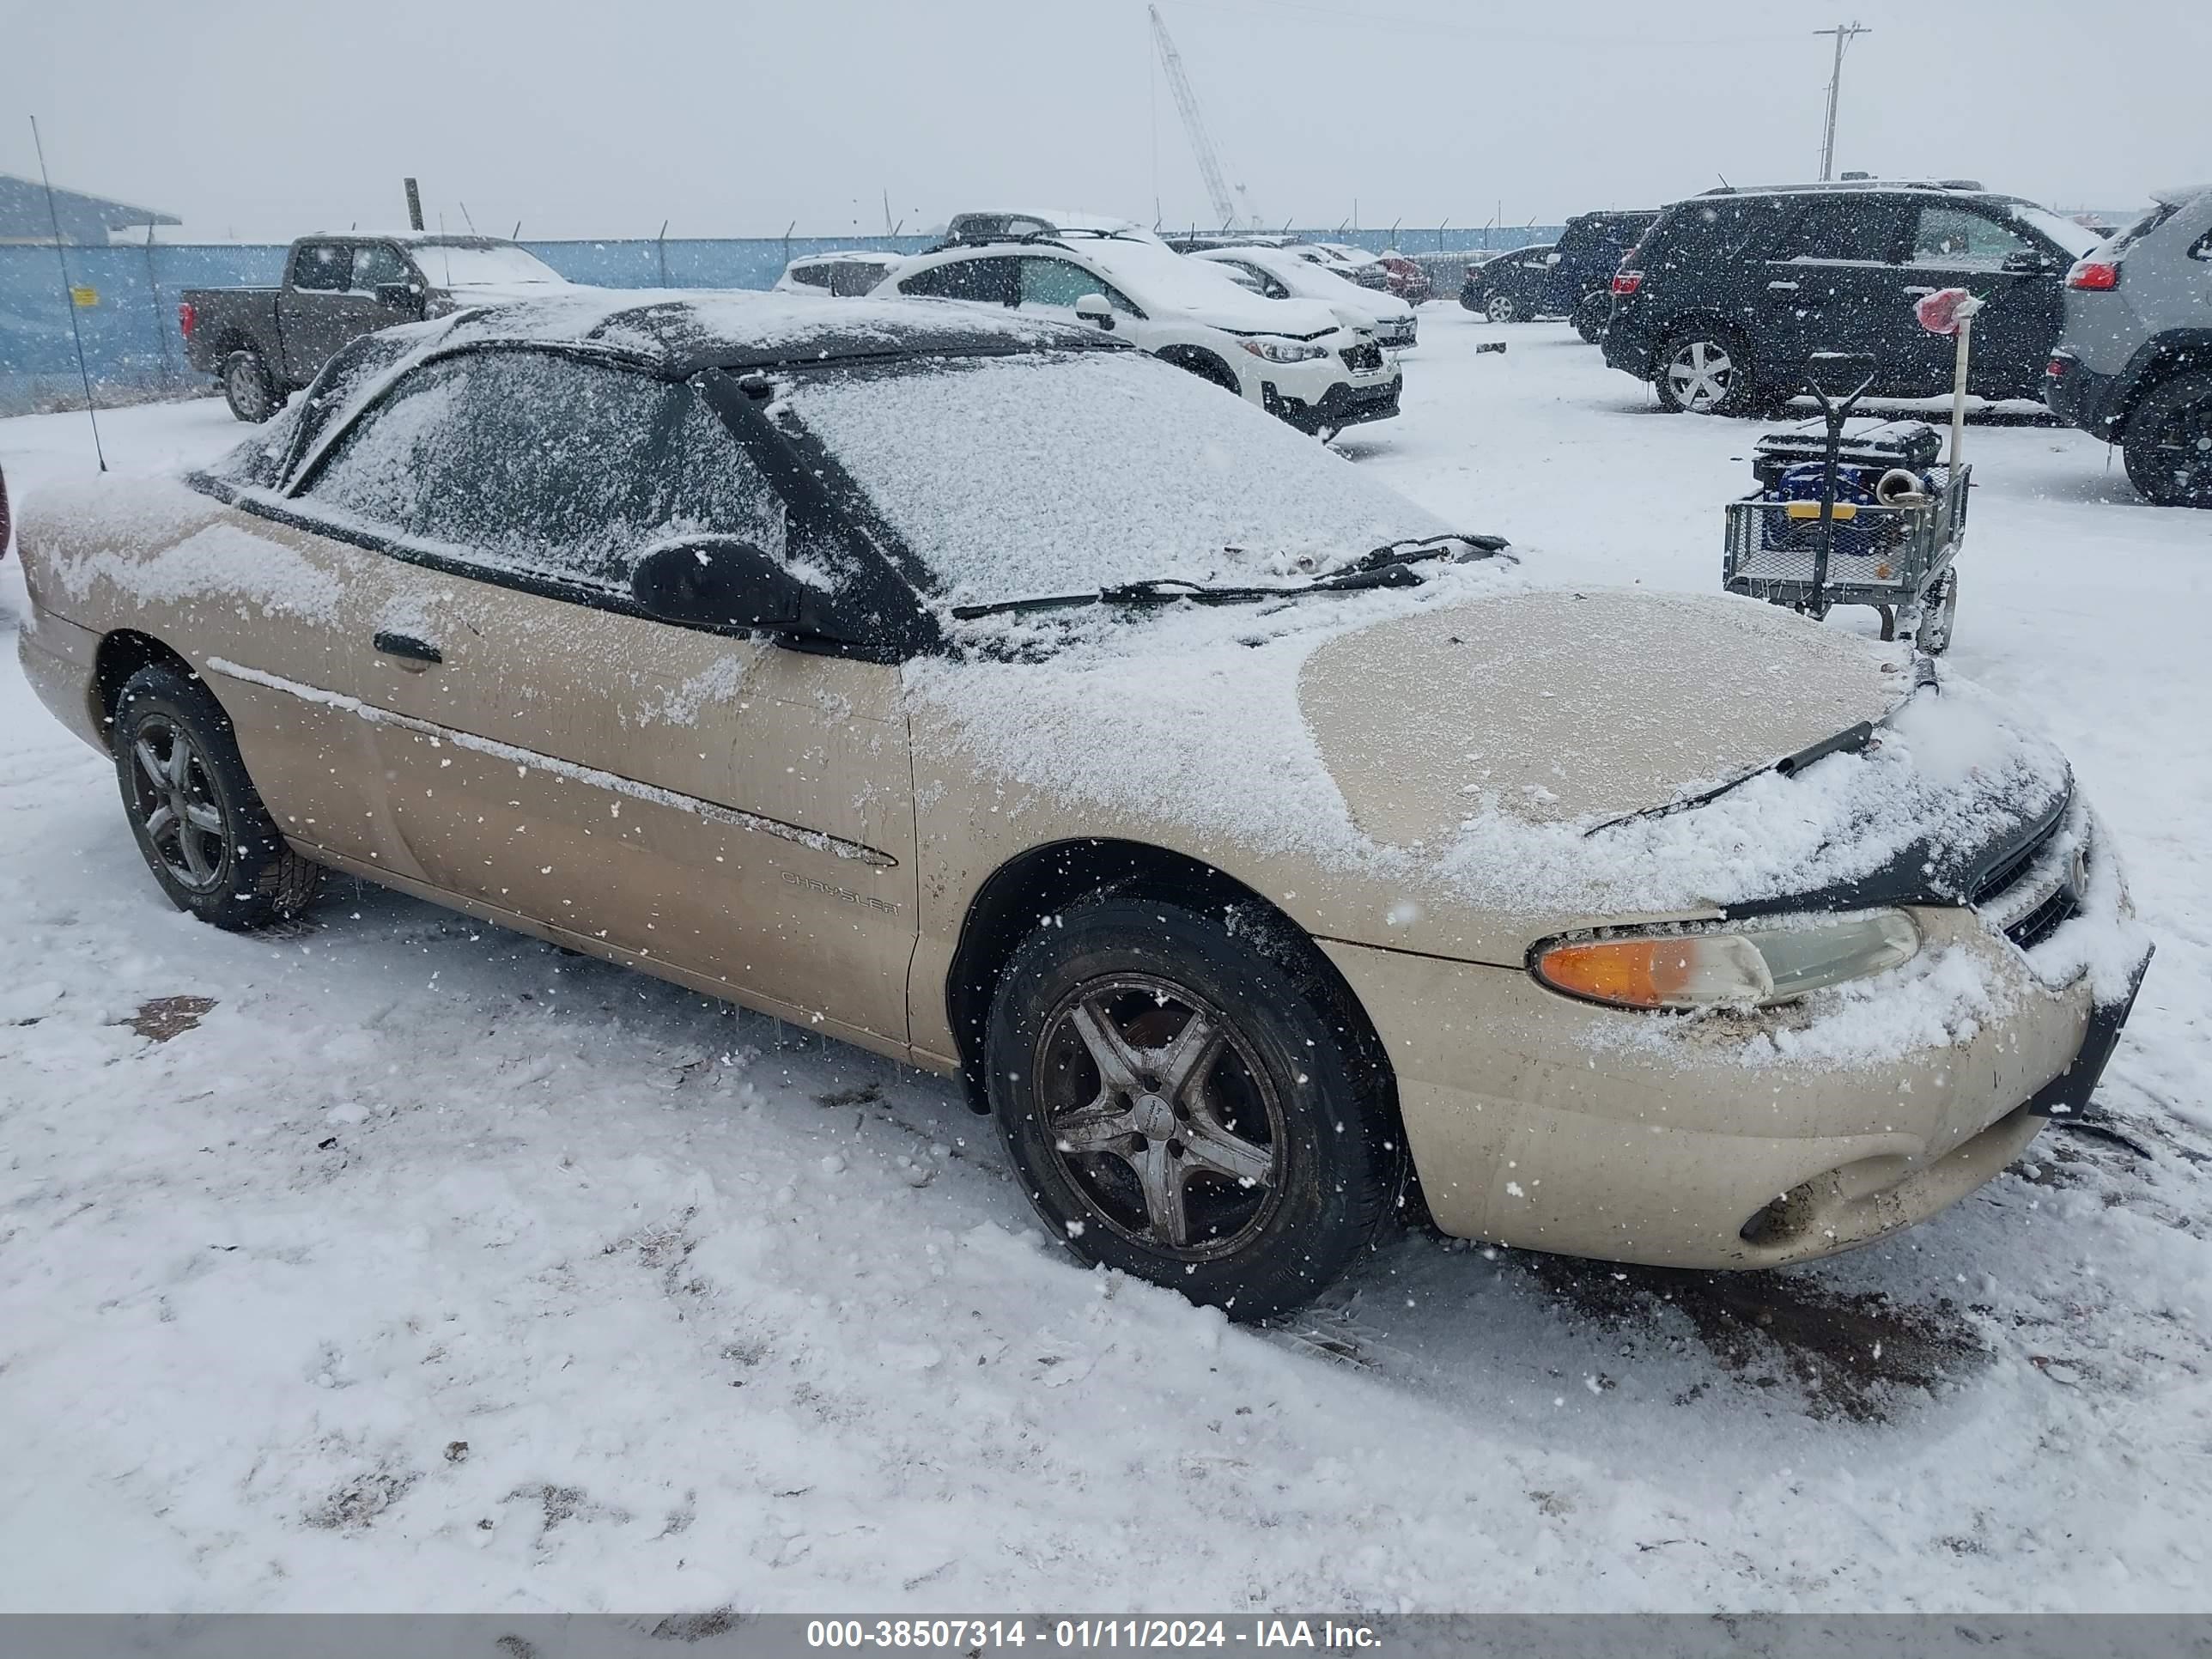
1285 351
1753 964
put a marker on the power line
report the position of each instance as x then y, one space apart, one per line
1845 34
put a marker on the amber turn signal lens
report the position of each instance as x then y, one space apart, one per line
1685 970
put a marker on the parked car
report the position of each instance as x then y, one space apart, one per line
983 694
847 274
1590 249
1726 297
968 228
1295 358
2134 362
265 343
1354 264
1511 287
1408 278
1279 274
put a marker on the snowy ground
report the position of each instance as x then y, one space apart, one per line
434 1268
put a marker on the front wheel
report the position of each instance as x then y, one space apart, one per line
195 814
1189 1108
1705 371
249 388
2168 446
1502 308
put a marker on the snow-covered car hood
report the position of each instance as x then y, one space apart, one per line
1559 706
1464 769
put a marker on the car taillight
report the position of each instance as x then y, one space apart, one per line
2059 366
188 318
2096 275
1627 282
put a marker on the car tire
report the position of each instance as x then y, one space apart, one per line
1591 315
1192 1107
249 388
2167 446
1503 308
1706 370
196 818
1934 634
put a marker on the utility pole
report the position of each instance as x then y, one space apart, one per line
1845 34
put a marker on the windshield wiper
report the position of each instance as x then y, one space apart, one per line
1412 549
1380 567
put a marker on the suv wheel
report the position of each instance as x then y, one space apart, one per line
1502 308
2168 446
248 388
1706 371
1184 1106
1592 314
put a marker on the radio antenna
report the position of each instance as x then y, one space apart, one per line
69 296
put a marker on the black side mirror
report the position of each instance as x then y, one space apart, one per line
2029 262
721 582
399 296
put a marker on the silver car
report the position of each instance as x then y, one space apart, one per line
2135 363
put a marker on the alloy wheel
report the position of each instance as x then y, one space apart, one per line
1501 309
173 798
1700 374
247 393
1161 1116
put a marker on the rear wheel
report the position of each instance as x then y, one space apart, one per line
1502 308
249 388
2168 446
1705 371
196 815
1188 1108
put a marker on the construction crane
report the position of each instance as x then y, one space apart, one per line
1226 203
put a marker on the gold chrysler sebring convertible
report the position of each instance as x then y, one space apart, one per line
1258 849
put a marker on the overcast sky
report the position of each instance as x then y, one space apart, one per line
262 118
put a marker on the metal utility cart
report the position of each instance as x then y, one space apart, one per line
1853 512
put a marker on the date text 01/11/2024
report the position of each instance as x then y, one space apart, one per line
977 1635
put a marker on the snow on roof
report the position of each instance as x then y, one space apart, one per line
2179 195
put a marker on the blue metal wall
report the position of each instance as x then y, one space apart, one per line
133 350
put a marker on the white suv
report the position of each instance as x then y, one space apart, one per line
1316 368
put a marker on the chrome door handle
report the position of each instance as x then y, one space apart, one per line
1782 288
1923 292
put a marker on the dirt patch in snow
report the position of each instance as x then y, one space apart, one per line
166 1016
1850 1354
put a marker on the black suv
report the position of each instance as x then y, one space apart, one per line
1590 248
1511 288
1720 303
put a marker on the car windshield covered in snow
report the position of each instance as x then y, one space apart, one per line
1039 474
452 266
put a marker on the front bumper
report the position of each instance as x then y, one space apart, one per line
1347 403
1548 1124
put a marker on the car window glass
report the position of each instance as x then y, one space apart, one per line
811 276
377 264
1956 238
852 276
1061 283
988 280
1723 228
1850 229
323 268
1263 279
530 464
